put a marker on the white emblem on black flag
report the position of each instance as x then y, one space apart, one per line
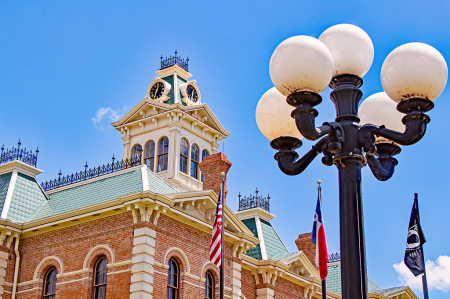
414 259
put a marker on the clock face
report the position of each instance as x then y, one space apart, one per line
157 90
192 93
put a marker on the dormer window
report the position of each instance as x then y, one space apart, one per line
163 154
194 161
150 155
184 149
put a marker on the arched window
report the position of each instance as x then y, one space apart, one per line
172 280
209 286
136 151
100 278
163 154
50 284
184 148
194 161
204 155
150 155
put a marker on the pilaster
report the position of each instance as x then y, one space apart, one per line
126 146
3 265
236 281
174 150
142 263
265 293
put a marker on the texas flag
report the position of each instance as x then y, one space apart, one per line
318 238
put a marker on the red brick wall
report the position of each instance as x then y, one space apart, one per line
309 248
195 244
72 245
248 286
285 289
211 168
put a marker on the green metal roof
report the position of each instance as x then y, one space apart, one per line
157 185
273 244
27 197
100 191
389 290
4 184
334 280
283 256
272 241
253 252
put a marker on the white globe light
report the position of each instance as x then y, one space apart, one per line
273 116
379 109
351 48
301 63
414 70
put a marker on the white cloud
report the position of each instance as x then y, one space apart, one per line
438 274
106 113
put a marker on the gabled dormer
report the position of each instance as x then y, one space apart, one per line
171 128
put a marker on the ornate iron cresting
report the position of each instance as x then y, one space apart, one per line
172 60
334 257
350 146
20 154
91 172
254 201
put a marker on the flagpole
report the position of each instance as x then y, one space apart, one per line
222 240
424 279
324 282
424 276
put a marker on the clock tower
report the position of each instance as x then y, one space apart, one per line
171 128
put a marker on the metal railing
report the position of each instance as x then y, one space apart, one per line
254 201
91 172
19 154
334 257
172 60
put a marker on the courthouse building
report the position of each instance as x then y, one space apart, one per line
140 226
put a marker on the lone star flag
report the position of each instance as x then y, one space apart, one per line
414 259
318 238
215 249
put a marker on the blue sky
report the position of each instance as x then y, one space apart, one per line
62 62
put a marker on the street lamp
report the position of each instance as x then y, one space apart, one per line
301 67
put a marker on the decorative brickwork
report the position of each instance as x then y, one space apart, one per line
212 167
305 245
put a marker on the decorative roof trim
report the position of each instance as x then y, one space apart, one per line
9 194
262 245
22 167
144 174
255 212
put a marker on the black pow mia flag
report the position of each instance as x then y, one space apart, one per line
414 259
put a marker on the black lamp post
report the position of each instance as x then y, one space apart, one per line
300 68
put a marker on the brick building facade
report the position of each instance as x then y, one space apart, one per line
125 229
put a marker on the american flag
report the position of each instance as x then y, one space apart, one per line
215 249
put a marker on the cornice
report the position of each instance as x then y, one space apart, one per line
21 167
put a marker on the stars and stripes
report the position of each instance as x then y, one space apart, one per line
318 238
215 249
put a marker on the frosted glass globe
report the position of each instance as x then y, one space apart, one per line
301 63
351 48
273 116
379 109
414 70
